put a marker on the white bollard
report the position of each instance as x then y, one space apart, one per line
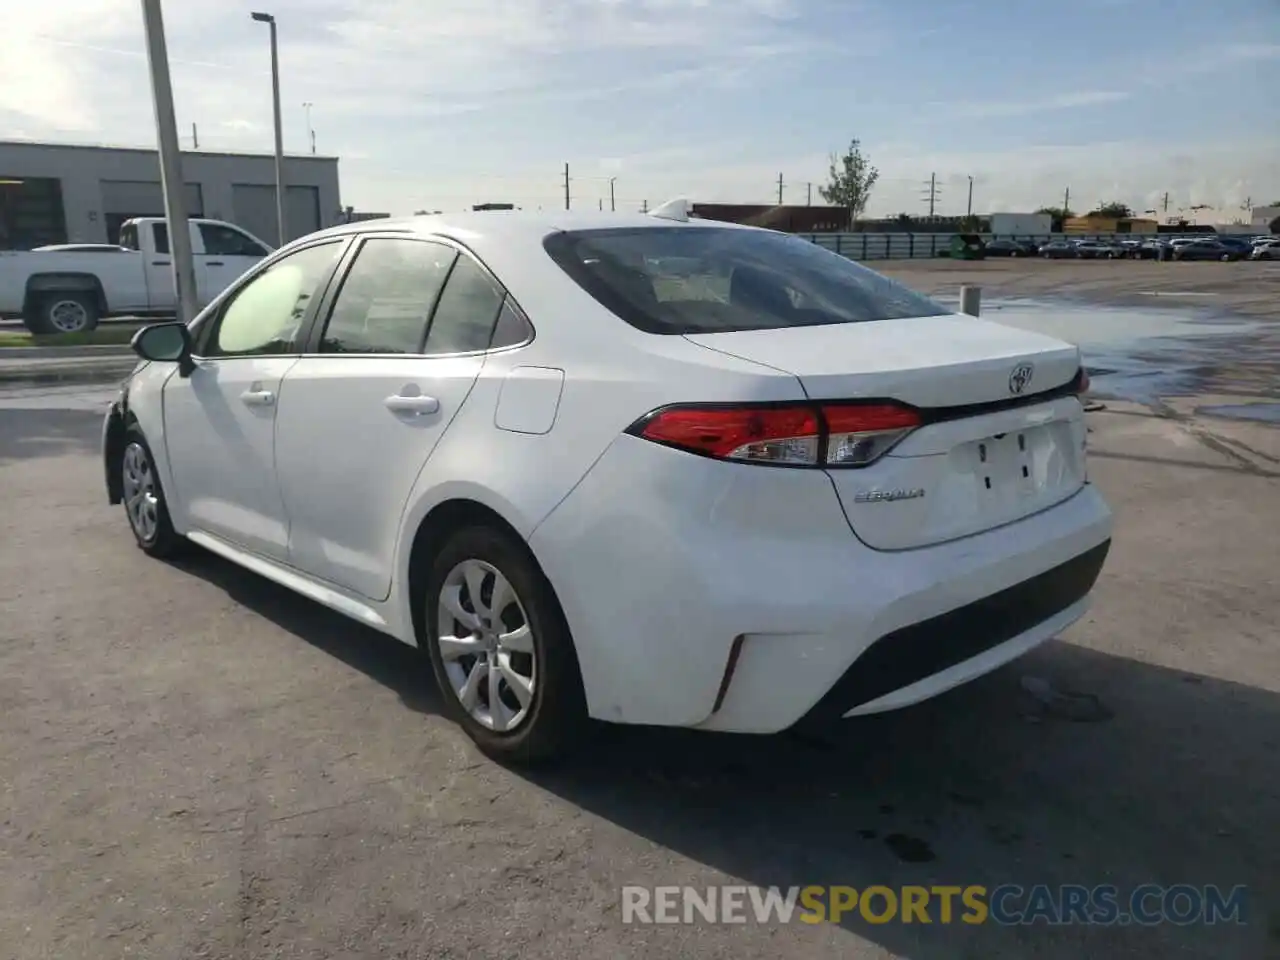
970 300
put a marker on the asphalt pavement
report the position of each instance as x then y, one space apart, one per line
197 763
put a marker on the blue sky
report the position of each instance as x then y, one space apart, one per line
442 104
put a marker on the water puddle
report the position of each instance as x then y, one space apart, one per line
1134 353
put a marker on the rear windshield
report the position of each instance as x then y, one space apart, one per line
674 280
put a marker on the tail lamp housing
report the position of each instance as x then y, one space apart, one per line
803 434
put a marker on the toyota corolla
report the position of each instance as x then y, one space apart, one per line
641 469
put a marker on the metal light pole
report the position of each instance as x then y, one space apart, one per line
270 21
612 204
175 208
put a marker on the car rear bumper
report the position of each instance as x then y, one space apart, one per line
734 597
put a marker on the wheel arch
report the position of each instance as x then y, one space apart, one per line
430 532
40 285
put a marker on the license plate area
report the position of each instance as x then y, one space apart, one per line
1005 464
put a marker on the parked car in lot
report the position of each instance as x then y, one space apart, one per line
758 486
1059 250
1242 246
1266 250
1206 250
1097 250
1010 248
70 287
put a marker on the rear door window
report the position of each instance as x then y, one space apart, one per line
696 279
387 297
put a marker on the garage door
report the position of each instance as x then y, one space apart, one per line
124 199
255 210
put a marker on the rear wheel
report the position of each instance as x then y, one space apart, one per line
501 650
1225 258
144 501
73 311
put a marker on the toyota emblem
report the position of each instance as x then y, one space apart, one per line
1020 377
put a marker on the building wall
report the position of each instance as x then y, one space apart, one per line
1262 216
97 180
1020 223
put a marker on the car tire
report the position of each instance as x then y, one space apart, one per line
144 500
545 724
1225 258
72 311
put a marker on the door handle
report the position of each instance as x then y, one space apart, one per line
213 263
417 406
159 263
258 398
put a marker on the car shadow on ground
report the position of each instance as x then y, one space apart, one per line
26 434
381 658
1168 778
1172 781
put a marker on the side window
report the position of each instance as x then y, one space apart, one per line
225 241
512 328
467 311
387 297
160 232
129 236
264 315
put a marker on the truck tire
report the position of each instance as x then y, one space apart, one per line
72 311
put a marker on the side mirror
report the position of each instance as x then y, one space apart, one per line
165 343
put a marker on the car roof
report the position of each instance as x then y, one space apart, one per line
485 227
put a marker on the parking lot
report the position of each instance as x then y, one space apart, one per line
196 763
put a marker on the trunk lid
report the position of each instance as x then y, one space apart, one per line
980 460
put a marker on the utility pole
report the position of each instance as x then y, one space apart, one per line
175 208
195 138
932 195
1165 205
808 197
644 206
969 209
780 189
613 203
602 204
566 186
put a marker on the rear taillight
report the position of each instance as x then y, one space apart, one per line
791 434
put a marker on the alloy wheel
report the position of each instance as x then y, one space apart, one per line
486 645
141 500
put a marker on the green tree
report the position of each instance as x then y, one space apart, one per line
851 179
1058 214
1112 209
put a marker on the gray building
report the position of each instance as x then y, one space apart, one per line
61 193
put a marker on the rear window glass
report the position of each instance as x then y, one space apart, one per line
674 280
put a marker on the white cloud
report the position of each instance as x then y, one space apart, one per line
386 73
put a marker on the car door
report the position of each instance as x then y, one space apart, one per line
401 344
128 288
158 266
220 421
228 253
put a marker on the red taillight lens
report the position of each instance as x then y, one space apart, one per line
841 434
770 434
863 433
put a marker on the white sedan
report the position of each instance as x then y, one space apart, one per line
642 469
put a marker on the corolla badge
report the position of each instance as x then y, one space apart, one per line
1020 377
887 496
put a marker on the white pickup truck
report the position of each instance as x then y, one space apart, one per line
70 290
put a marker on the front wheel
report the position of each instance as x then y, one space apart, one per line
501 650
144 501
1225 258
